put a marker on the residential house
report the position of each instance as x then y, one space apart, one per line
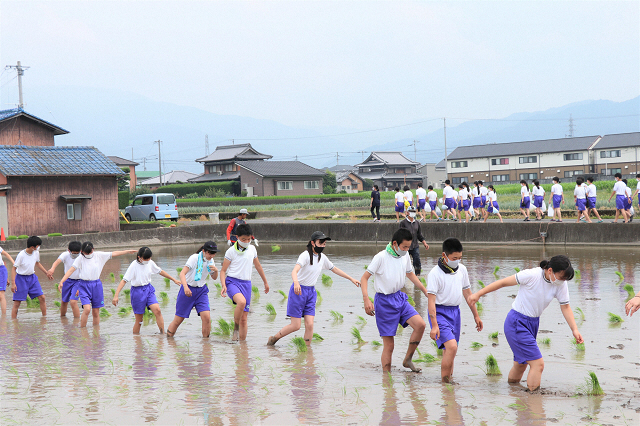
122 163
263 178
174 176
349 181
389 169
433 174
18 127
220 165
618 153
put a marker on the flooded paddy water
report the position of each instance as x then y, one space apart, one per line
55 373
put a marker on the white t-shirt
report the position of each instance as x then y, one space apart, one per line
627 191
448 287
475 191
90 269
399 197
421 193
1 261
448 192
591 190
138 274
433 195
537 192
463 193
408 195
241 262
389 272
492 196
556 189
638 186
483 191
524 191
536 292
308 274
454 194
620 188
26 263
580 192
67 261
192 264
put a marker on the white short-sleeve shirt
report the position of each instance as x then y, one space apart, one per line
26 263
90 269
67 261
241 262
620 188
399 197
556 189
627 191
389 272
408 195
433 195
448 287
463 193
454 194
638 186
138 274
475 191
537 192
448 192
580 192
308 274
421 193
192 264
1 261
483 191
524 191
492 196
591 190
536 292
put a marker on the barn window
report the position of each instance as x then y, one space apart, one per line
74 211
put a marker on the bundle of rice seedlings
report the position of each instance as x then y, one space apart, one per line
614 319
299 344
147 314
164 296
104 313
424 357
255 290
113 291
375 343
283 294
481 284
317 337
178 270
410 300
124 311
371 298
113 276
591 386
218 286
318 297
121 277
495 270
493 335
580 314
576 274
167 282
479 307
356 335
127 292
476 345
400 328
365 267
57 303
361 320
224 328
577 346
545 341
275 248
620 276
327 280
423 281
439 351
270 309
492 368
630 292
517 270
337 316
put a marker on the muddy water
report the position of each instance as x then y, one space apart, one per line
53 372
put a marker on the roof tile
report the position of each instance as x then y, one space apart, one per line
20 160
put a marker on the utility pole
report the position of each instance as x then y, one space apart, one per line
20 69
446 161
571 127
159 142
206 144
337 158
415 152
131 154
362 152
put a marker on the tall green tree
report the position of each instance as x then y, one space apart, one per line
329 183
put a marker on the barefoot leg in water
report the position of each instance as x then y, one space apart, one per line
387 352
417 323
448 357
287 329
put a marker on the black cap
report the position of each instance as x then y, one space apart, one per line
210 246
319 235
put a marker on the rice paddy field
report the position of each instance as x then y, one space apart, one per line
55 373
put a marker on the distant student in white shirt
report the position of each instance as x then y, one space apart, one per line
556 198
301 302
620 191
235 277
538 287
463 201
492 204
637 192
580 195
450 196
408 196
483 196
143 293
4 280
525 199
70 294
447 287
433 202
628 202
391 307
476 200
591 198
538 198
421 195
399 208
89 266
23 276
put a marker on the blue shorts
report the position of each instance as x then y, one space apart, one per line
448 318
591 202
581 204
27 284
620 202
557 199
391 310
433 204
493 208
538 200
450 203
399 207
627 203
69 290
521 332
142 297
484 201
525 203
91 293
421 203
304 304
235 286
4 276
465 205
477 202
199 299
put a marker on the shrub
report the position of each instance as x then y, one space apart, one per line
329 183
23 237
123 199
54 234
11 238
180 190
214 193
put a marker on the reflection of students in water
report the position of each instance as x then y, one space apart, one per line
452 410
242 392
145 367
528 406
390 413
304 389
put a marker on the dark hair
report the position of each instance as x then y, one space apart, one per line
87 247
465 184
75 246
559 263
480 182
625 181
419 185
638 175
430 187
590 179
618 175
525 183
144 253
375 187
396 189
34 241
537 183
310 250
451 245
491 187
406 188
460 186
243 230
579 181
556 179
447 182
401 235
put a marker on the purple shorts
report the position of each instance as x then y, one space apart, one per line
627 203
448 318
591 202
69 290
450 203
235 286
521 332
493 208
4 275
421 203
302 305
391 310
477 202
620 202
199 298
27 284
484 201
142 297
525 203
399 207
91 293
581 204
433 204
465 205
557 199
538 200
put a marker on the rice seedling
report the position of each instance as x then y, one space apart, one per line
299 344
620 276
224 328
113 276
361 321
270 309
439 351
579 347
476 345
57 303
318 297
167 282
579 313
400 328
375 343
423 281
275 248
113 291
327 280
545 341
127 292
121 277
317 337
125 310
410 300
591 386
365 267
164 296
371 298
356 335
337 316
178 270
424 357
493 335
629 290
32 303
614 319
147 314
495 270
481 284
492 368
576 274
255 290
283 294
104 313
517 270
479 307
218 286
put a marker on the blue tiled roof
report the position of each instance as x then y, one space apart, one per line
11 113
20 160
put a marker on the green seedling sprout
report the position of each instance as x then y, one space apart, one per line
614 319
299 344
481 284
123 311
167 282
620 276
591 386
361 321
426 358
164 296
579 347
479 307
356 335
476 345
178 270
113 291
495 270
147 314
492 368
224 328
580 314
630 292
113 276
517 269
255 290
371 298
410 300
327 280
318 298
493 335
576 275
400 328
57 303
127 292
275 248
365 267
545 341
104 313
218 286
439 351
121 277
337 316
423 281
270 309
375 343
317 337
283 294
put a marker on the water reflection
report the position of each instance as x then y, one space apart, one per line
306 395
529 407
452 409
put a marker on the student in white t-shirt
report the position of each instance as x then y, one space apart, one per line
492 204
235 277
89 266
391 267
555 198
301 302
447 287
620 192
450 196
408 196
432 198
538 198
23 276
591 198
143 293
421 195
580 196
538 287
4 280
637 191
399 208
71 290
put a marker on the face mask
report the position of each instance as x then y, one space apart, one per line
145 262
452 263
399 252
554 276
412 214
318 249
74 255
87 256
38 248
243 245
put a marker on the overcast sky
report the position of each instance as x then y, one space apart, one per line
342 64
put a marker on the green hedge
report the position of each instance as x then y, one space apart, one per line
123 199
182 189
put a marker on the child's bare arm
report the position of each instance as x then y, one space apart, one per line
343 274
496 285
364 283
54 266
416 281
258 267
223 276
115 296
43 269
8 256
166 275
474 309
122 252
435 329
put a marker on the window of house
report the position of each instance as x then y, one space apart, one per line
285 185
458 164
74 211
499 161
311 184
574 156
528 176
610 172
531 159
459 179
228 167
570 173
610 154
500 178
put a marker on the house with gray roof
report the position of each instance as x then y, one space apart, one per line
219 166
618 153
349 181
131 165
389 169
263 178
174 176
